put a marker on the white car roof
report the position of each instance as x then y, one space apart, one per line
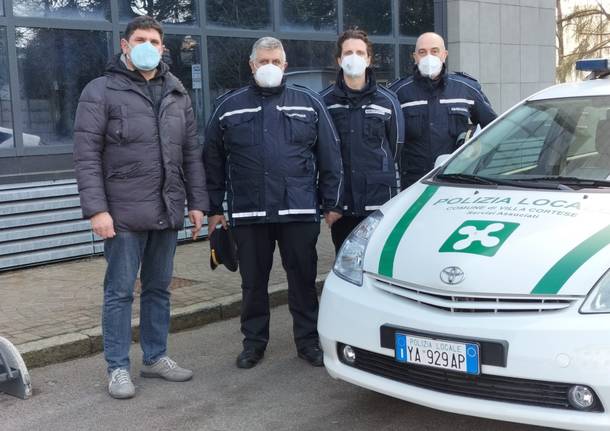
594 87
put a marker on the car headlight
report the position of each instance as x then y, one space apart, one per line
350 259
598 299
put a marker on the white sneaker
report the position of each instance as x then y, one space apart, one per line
167 369
120 385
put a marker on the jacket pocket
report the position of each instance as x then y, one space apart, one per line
117 127
458 119
380 188
374 129
239 129
175 124
300 196
301 127
245 198
341 121
129 170
415 121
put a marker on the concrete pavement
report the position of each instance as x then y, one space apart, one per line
282 393
52 313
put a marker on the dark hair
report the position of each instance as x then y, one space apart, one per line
354 33
143 22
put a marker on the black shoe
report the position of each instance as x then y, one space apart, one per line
313 355
249 358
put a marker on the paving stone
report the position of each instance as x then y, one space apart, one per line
53 312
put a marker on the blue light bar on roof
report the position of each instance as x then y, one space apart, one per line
593 65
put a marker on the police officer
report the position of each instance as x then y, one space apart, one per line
273 149
370 124
437 107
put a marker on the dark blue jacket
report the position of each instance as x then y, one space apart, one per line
436 113
276 154
370 125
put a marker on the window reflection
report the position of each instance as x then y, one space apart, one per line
416 17
310 63
308 15
383 62
73 9
165 11
373 20
406 60
182 54
250 14
50 89
228 61
6 118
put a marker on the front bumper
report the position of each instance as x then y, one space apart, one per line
562 346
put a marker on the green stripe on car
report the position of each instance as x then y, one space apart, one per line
388 254
565 267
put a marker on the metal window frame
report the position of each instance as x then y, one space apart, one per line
115 26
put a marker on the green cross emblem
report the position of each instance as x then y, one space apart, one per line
482 237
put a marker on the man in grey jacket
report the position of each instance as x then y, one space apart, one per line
137 160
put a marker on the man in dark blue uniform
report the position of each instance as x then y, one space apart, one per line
370 124
438 108
274 151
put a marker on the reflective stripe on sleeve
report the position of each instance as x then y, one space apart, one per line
239 111
298 211
294 108
378 108
414 103
250 214
445 101
337 105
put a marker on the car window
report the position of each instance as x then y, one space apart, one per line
561 137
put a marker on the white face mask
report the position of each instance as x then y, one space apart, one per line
353 65
269 76
430 66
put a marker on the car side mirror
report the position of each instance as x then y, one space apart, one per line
440 160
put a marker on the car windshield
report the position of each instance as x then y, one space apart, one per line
557 143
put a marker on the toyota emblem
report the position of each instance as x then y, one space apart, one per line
452 275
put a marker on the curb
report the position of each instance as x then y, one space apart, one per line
61 348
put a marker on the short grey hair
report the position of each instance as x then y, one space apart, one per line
267 42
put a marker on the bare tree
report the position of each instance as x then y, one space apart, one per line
587 28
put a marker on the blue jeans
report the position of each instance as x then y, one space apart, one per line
154 251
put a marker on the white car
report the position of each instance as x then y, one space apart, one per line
484 288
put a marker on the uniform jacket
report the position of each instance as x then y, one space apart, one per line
370 125
275 152
137 164
436 113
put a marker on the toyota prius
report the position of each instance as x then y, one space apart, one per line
484 288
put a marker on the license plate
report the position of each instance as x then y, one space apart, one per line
430 352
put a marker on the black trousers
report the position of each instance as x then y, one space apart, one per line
297 244
342 228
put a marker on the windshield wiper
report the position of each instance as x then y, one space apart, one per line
569 181
467 179
494 181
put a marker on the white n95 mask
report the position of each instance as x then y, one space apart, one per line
353 65
269 76
430 66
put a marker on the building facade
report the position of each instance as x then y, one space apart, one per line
50 49
508 45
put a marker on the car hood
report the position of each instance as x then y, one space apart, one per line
493 241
